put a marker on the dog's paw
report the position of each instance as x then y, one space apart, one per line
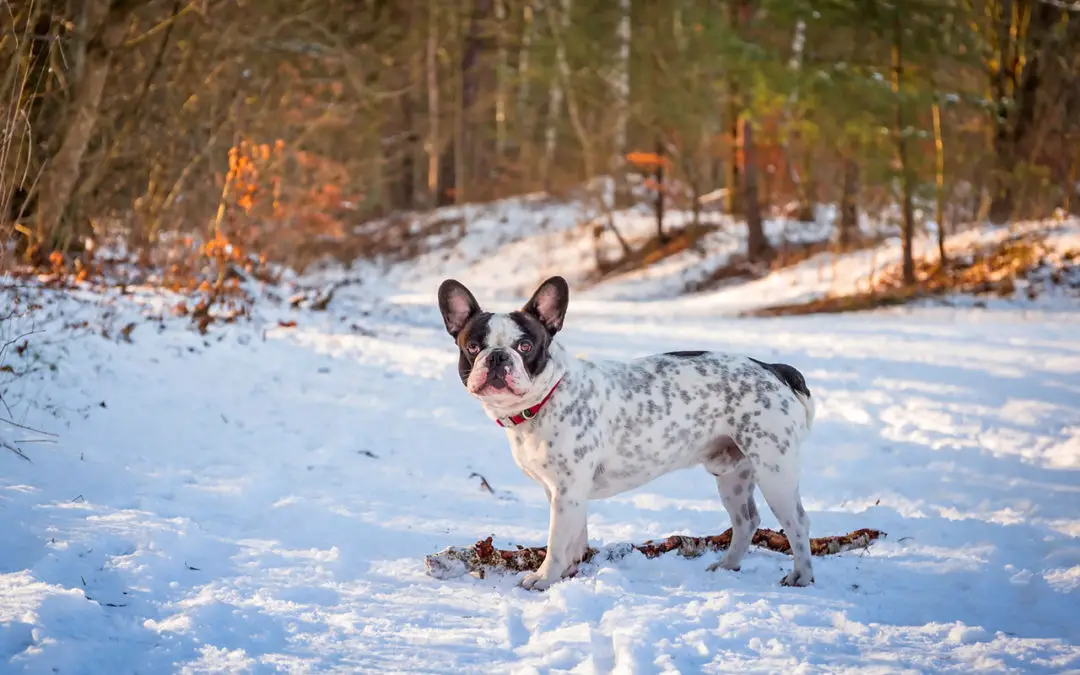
797 578
724 564
536 581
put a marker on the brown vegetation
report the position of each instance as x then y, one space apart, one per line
201 145
991 270
284 131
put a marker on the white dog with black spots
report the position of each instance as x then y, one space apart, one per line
590 430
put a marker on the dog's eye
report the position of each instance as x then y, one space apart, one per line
472 348
524 346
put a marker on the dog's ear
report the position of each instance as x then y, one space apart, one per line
457 305
549 302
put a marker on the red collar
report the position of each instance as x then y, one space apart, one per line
527 413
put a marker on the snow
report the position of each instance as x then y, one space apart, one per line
261 499
510 246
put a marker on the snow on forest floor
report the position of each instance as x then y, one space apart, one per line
261 500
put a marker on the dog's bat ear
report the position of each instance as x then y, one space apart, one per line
549 302
457 305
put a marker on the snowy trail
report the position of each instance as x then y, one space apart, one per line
265 506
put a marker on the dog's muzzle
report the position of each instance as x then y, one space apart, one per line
498 368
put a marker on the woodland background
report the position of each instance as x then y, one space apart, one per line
279 126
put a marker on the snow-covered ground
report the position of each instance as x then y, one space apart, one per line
511 245
261 499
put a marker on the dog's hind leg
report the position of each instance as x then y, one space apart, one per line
735 481
736 486
780 487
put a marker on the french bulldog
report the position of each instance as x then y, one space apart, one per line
589 430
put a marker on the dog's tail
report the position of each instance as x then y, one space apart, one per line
811 408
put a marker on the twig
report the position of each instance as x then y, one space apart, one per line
26 428
3 347
456 561
484 485
4 403
17 451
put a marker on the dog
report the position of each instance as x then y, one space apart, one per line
590 430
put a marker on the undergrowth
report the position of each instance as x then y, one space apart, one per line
1021 264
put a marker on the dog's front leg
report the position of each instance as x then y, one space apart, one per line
565 530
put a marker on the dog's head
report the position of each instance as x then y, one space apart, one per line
504 357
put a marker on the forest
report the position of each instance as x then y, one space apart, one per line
279 124
827 249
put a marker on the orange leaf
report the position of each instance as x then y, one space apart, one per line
647 159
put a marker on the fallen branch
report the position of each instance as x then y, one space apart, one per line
455 561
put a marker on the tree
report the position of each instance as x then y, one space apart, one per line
377 107
1030 50
97 36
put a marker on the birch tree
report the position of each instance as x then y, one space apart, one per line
555 95
621 99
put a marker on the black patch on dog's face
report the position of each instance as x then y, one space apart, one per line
477 331
531 328
474 332
789 375
686 355
500 339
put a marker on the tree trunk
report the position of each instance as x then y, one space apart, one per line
399 138
435 197
501 81
406 172
452 159
808 189
621 88
572 107
939 212
35 118
555 100
524 121
1018 76
475 74
757 245
849 204
98 172
695 205
105 26
25 79
803 188
1071 182
907 175
733 180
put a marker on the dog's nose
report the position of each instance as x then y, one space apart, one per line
498 358
498 364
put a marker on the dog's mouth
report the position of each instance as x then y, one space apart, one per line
498 383
494 384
